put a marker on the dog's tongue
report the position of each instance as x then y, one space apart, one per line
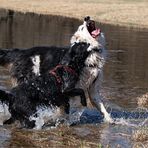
95 33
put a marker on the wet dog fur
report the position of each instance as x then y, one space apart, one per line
51 89
26 64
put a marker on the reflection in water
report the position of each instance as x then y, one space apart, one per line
27 30
126 70
117 135
125 73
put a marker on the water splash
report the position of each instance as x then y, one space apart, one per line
45 115
115 115
51 116
75 116
121 132
4 113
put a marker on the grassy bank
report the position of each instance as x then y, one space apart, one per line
122 12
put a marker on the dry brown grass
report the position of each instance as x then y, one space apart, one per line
143 101
59 138
140 135
124 12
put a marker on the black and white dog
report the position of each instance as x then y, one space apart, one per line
26 64
51 89
92 72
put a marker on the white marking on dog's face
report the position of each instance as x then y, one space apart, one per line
36 65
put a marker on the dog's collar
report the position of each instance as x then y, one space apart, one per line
66 68
58 78
70 70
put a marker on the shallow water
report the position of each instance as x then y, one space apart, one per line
125 79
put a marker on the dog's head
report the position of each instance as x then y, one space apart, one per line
87 32
91 27
78 54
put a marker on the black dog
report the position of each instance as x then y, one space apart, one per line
51 89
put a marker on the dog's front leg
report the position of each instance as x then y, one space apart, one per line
98 101
94 95
77 92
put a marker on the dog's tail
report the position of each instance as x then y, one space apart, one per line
5 96
7 56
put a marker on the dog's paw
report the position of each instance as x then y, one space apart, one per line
108 119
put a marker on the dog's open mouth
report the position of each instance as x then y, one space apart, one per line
94 32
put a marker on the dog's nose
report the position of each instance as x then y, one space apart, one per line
87 18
